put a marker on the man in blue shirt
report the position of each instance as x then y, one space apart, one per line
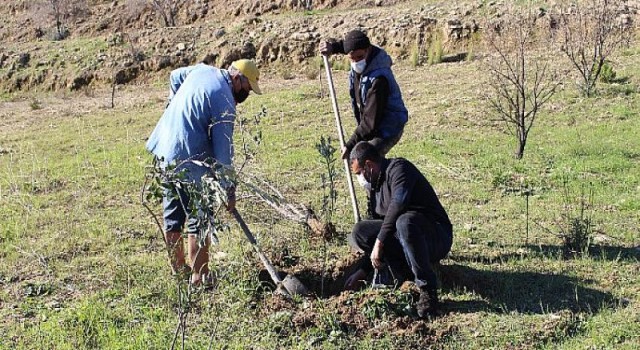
197 125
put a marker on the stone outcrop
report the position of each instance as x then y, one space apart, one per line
278 31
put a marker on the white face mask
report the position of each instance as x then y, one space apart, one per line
363 182
358 67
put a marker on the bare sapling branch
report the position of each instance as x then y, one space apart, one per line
519 82
167 10
589 33
61 13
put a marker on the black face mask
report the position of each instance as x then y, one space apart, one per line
241 95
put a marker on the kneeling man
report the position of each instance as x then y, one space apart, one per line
415 229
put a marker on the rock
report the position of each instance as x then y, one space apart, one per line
229 57
82 80
126 74
23 59
453 30
3 59
38 33
210 58
160 62
302 36
219 33
248 50
181 47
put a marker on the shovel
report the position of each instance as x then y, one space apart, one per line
288 286
354 202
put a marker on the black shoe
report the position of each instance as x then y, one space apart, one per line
428 303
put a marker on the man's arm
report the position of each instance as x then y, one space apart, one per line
331 46
176 78
221 136
403 181
372 113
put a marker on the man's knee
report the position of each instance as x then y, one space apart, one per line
353 243
404 226
363 235
358 238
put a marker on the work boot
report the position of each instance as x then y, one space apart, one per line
428 303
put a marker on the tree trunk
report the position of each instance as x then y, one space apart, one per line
522 141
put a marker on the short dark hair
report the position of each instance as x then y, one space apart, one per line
364 151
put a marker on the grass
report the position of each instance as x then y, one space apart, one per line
55 63
83 265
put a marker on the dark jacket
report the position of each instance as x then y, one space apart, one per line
375 98
402 188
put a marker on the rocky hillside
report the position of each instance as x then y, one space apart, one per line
98 42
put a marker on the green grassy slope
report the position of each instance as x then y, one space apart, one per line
83 265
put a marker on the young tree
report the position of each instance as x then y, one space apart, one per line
589 34
519 82
62 12
168 10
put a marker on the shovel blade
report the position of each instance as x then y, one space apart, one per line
294 286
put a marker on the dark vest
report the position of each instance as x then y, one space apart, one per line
395 115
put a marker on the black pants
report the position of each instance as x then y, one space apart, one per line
416 244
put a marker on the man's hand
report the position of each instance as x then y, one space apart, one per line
344 153
355 279
231 199
376 254
325 48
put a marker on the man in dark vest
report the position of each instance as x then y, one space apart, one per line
375 95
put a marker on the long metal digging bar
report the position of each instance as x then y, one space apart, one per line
332 92
290 285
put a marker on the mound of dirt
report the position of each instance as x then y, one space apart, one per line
337 312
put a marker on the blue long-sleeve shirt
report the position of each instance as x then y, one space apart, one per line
176 78
198 122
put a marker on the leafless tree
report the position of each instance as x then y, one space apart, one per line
61 12
519 82
168 10
590 33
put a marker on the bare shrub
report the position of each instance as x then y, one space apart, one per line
590 33
168 10
133 48
61 13
135 8
519 80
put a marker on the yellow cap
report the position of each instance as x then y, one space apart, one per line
249 69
